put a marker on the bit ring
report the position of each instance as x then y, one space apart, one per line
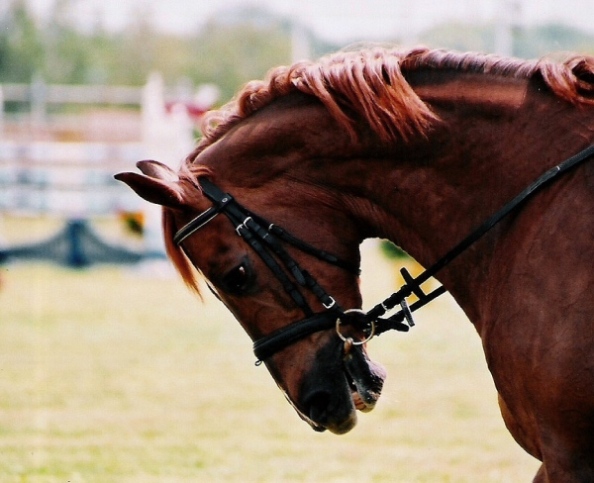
349 339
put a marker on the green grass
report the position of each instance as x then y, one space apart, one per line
112 375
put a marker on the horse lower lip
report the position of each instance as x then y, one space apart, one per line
361 404
363 400
365 380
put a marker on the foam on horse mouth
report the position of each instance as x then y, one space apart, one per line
365 378
359 402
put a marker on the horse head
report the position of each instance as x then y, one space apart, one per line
269 150
290 150
296 259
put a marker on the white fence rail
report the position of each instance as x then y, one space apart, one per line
44 174
72 94
66 179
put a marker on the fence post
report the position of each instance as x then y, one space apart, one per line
38 96
1 112
167 137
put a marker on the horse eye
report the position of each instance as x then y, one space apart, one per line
237 281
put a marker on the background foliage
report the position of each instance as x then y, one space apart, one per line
232 48
226 51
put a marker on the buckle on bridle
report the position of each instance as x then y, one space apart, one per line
242 225
349 340
330 303
407 312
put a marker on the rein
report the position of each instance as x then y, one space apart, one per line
265 239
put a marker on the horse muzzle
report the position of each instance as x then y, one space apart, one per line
335 389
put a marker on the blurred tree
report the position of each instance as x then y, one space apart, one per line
546 39
461 37
392 251
529 42
234 47
66 50
133 52
230 55
229 51
21 44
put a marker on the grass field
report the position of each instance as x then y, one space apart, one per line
110 374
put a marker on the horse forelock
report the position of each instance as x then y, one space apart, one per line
188 176
182 264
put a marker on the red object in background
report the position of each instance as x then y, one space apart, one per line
194 111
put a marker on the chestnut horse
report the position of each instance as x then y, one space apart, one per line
418 147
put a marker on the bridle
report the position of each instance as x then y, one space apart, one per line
267 240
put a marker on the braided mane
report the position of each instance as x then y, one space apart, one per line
370 86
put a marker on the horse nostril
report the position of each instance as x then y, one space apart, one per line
318 404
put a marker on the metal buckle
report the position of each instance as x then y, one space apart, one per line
349 340
242 225
407 312
330 304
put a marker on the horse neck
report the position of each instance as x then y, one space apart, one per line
428 196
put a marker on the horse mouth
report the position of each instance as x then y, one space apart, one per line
335 408
363 400
366 380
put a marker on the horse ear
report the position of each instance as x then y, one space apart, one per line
158 184
158 170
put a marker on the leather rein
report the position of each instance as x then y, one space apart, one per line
268 239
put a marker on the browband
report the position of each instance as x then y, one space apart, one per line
202 219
